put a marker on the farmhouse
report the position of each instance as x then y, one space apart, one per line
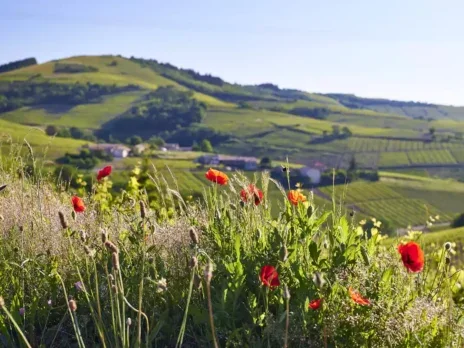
116 150
236 162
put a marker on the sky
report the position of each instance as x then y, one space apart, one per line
396 49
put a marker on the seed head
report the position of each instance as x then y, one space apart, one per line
143 209
447 246
115 260
2 302
83 236
111 247
63 221
88 251
193 262
193 235
208 272
104 236
129 322
72 305
286 292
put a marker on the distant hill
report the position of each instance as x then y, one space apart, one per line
113 98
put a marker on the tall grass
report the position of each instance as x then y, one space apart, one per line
190 274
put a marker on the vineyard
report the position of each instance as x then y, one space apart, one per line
431 157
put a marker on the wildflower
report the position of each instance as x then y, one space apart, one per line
315 304
252 193
412 256
103 173
22 311
161 285
296 197
129 322
193 235
269 276
356 297
72 305
362 222
63 222
79 286
78 204
217 176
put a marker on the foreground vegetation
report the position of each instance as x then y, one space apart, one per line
128 271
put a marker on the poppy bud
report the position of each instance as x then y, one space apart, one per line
2 187
129 322
193 262
284 169
242 204
193 235
74 215
115 260
111 247
64 223
351 213
286 293
151 260
72 305
283 253
318 279
448 260
310 211
2 302
447 246
143 210
208 272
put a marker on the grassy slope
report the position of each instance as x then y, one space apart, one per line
41 143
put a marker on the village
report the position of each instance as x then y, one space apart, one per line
310 173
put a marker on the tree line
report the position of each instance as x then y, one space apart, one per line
18 64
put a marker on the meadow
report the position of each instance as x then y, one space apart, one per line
221 271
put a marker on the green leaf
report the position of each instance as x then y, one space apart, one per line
387 275
365 256
314 251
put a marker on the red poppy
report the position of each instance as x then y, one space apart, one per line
103 173
296 197
315 304
356 297
78 204
252 193
217 176
412 256
269 276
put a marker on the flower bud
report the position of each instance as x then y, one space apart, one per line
143 209
448 260
129 322
74 215
115 260
72 305
447 246
104 236
193 262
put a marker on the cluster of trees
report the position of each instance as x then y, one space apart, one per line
72 132
18 64
73 68
318 113
18 94
354 102
86 159
164 112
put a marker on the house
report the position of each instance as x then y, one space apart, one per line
234 162
313 172
140 148
170 147
116 150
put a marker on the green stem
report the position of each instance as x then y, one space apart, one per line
18 329
210 311
180 338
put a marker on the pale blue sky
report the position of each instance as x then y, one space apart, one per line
399 49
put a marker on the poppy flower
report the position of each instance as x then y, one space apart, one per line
315 304
103 173
217 176
269 276
296 197
78 204
356 297
412 256
252 193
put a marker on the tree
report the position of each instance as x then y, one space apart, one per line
195 146
156 142
134 140
63 133
206 146
432 130
265 162
458 221
353 165
51 130
346 131
325 133
77 133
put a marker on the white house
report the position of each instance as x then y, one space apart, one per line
117 150
314 174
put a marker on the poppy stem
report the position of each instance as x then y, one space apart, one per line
287 321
